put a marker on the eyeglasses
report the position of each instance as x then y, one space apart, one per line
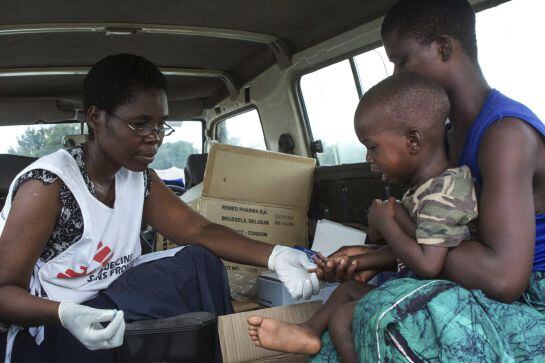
143 131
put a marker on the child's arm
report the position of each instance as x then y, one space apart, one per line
404 220
425 261
368 265
379 259
374 236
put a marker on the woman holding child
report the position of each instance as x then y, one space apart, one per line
491 304
498 313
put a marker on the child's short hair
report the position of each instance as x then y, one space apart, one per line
409 99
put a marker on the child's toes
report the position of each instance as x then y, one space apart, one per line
255 320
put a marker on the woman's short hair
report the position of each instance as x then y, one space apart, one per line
114 80
429 19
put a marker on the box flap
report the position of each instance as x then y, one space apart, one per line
236 345
256 176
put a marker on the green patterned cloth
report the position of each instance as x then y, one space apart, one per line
442 208
412 320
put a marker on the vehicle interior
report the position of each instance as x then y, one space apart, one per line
257 74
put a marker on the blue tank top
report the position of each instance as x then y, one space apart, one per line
496 107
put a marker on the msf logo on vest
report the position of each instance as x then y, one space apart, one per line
103 255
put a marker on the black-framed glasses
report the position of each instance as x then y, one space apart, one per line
143 131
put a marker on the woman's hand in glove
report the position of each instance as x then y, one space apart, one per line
85 325
292 267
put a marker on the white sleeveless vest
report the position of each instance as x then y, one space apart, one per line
109 246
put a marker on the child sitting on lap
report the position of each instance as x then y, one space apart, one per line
401 121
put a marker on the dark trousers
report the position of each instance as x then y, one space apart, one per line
192 280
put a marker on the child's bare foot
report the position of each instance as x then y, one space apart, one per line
283 337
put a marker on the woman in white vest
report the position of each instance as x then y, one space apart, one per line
70 230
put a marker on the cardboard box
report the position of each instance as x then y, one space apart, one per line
236 345
271 292
261 194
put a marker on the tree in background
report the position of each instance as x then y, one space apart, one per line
225 137
45 139
40 141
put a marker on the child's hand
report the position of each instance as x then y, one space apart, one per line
321 264
354 270
320 260
381 212
341 271
336 268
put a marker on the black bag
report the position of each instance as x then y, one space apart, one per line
184 338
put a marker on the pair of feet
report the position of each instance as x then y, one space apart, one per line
275 335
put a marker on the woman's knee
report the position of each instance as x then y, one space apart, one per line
196 250
201 261
198 253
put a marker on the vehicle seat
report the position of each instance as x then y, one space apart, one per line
194 169
10 166
71 141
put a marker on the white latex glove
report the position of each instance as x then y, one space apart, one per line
291 266
84 324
